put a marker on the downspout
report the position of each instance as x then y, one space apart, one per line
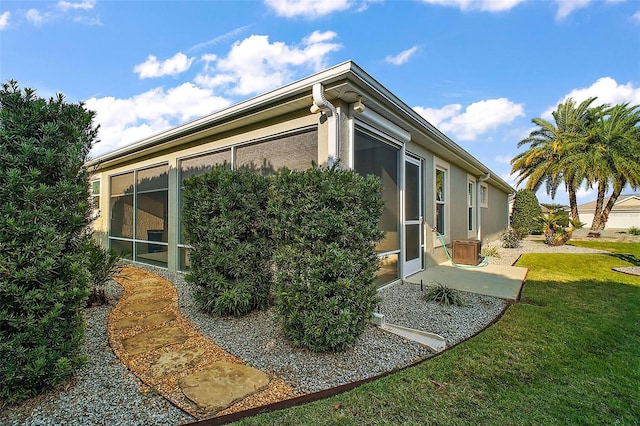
479 205
327 110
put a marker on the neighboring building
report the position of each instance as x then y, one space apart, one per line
340 113
624 214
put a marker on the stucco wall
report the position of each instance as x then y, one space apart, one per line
495 216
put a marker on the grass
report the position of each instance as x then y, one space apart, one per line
568 353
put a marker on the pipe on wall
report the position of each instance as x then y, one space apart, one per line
326 108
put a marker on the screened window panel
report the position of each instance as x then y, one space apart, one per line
153 254
295 152
122 184
374 157
121 216
152 216
198 165
412 192
120 246
388 270
153 178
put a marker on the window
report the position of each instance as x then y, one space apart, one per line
484 195
95 194
442 203
471 195
296 152
373 156
441 200
138 204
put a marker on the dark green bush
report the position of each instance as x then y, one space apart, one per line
526 209
44 214
326 228
226 222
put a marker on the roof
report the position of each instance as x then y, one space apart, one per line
625 202
342 82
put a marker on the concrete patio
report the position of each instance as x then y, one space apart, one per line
500 281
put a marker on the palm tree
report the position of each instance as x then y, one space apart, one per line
614 156
550 146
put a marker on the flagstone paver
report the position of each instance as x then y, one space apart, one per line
220 384
163 348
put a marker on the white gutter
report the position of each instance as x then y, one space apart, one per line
479 205
321 104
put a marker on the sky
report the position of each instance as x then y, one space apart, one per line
479 70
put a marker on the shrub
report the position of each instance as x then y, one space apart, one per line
510 239
443 295
103 265
226 222
44 214
634 230
526 209
326 228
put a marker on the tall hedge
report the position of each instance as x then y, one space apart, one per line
326 229
44 213
225 221
526 210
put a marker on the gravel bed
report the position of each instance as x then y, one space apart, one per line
403 305
256 338
103 391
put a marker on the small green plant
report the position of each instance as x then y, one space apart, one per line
510 239
634 230
103 265
491 251
443 295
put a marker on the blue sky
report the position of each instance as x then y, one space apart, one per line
479 70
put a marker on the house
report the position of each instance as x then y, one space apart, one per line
340 113
624 214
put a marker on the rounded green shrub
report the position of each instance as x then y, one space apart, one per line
226 222
44 214
325 222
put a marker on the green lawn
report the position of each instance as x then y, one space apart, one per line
568 353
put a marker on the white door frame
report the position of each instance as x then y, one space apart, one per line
413 265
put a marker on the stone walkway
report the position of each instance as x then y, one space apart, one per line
162 348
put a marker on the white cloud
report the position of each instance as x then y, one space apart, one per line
83 5
482 5
35 17
255 65
636 17
172 66
123 121
401 57
607 90
309 9
4 20
566 7
477 118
